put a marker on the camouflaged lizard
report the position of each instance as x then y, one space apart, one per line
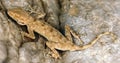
55 40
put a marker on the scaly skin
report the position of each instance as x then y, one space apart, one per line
55 39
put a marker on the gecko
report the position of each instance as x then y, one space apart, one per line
55 39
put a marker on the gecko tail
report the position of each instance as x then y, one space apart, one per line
90 44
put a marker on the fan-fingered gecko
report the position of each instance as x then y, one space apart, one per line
56 40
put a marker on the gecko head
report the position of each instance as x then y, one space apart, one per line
20 16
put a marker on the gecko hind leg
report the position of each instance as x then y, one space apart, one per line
69 31
52 46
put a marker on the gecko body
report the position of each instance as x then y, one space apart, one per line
55 39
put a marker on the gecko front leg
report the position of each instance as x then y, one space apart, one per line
30 33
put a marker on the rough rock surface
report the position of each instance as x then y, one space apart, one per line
88 18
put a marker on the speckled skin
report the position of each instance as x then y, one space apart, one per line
55 39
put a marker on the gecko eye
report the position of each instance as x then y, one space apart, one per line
21 23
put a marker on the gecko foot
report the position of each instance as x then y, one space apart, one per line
54 52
